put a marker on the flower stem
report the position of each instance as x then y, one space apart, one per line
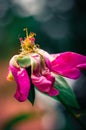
73 114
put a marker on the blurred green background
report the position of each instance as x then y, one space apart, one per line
60 26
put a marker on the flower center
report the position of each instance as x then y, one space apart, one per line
28 44
29 47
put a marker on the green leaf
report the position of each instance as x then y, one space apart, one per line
24 61
66 94
10 124
31 96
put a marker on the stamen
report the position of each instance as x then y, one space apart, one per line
32 34
21 39
28 45
25 29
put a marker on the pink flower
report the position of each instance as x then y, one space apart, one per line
44 67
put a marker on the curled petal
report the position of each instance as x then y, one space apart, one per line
23 83
53 92
68 64
45 84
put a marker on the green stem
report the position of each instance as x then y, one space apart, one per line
73 114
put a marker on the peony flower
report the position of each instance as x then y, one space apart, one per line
42 68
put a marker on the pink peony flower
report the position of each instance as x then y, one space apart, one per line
44 67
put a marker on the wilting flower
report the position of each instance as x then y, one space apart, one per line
42 68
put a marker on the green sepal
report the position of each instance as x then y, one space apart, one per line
31 96
24 61
66 94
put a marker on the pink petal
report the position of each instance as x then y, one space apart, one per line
53 92
41 83
45 84
23 83
68 64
